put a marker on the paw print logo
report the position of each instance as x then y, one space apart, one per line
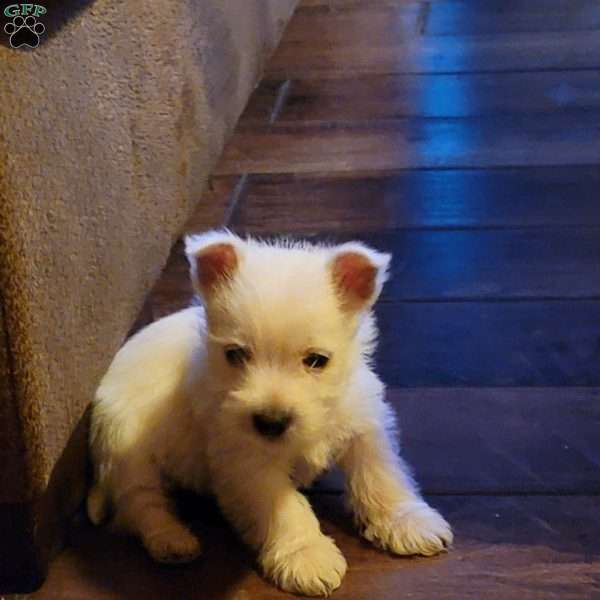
24 31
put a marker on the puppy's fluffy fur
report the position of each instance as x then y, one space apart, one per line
182 398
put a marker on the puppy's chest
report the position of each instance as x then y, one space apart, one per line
313 463
183 456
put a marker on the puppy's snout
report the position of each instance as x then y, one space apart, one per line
271 424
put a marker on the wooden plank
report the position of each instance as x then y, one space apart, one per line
532 197
502 440
393 96
482 142
345 5
533 547
553 263
417 143
386 51
497 440
328 27
510 344
341 5
499 16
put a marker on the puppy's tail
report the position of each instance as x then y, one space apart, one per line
97 504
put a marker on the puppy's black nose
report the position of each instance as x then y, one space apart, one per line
271 424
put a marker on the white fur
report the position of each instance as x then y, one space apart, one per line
170 405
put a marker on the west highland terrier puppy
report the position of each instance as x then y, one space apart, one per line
250 397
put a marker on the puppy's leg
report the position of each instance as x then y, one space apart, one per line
141 506
385 501
278 521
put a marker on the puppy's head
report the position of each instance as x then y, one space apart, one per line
287 326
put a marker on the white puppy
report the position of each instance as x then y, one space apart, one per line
253 396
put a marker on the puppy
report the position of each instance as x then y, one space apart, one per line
250 397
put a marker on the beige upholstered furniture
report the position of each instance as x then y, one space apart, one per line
108 132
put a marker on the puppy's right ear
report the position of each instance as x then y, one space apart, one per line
213 259
358 274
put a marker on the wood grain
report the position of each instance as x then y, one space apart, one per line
513 264
492 441
494 17
496 343
475 142
356 202
334 26
345 5
392 96
388 51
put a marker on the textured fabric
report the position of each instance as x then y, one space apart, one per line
108 131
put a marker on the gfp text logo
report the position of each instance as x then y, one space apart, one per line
24 29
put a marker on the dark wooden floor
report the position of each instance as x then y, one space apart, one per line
464 137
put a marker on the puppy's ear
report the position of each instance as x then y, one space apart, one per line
213 258
358 274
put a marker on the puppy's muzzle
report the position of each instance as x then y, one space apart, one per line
271 424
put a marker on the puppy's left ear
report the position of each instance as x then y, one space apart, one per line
358 273
213 258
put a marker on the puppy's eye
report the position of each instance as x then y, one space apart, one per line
237 356
314 360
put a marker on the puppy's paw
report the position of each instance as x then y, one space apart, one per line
414 528
316 569
172 545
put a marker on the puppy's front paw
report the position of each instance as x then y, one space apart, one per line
414 528
172 545
316 569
